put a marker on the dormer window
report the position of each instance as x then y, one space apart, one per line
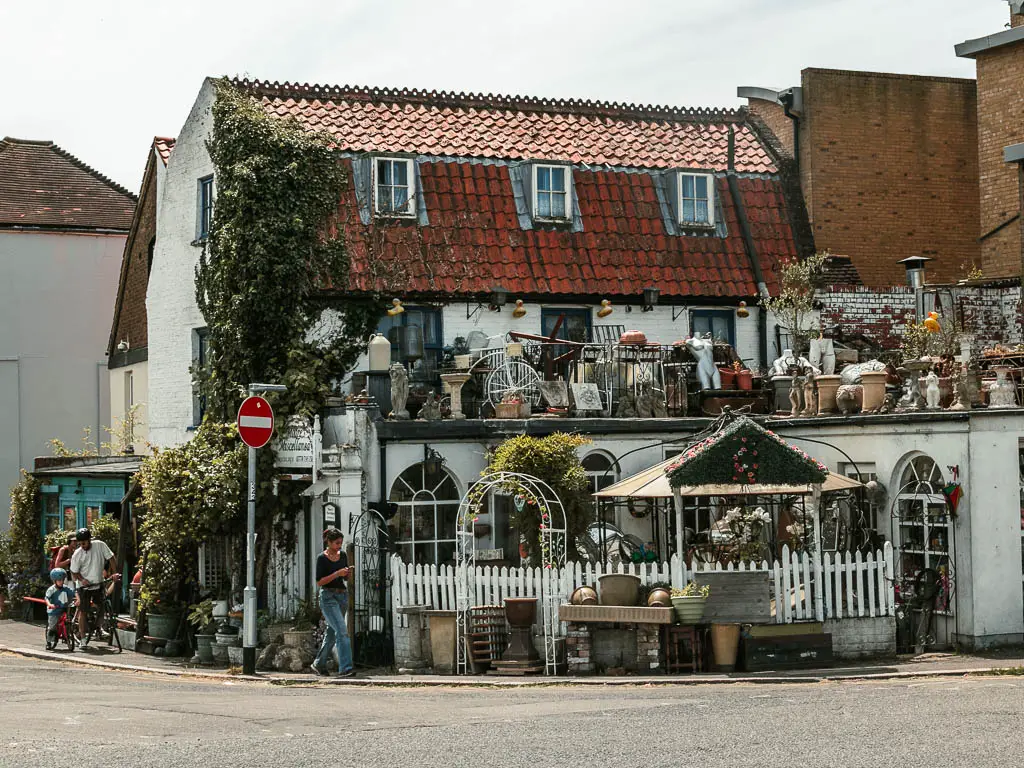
696 204
552 196
395 186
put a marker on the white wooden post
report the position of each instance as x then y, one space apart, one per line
819 608
677 501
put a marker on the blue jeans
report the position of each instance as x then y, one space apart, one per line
334 606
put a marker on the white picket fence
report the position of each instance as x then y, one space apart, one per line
803 587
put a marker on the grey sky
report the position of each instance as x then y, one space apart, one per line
101 77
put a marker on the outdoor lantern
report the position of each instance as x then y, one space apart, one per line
432 460
499 298
650 298
915 270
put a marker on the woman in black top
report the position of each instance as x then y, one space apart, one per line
331 574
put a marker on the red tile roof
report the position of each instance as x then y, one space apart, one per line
474 240
42 186
470 125
163 146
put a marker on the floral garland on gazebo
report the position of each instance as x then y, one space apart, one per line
745 453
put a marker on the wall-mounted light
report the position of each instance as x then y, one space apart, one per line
606 308
499 298
520 310
743 311
123 345
396 308
432 460
650 298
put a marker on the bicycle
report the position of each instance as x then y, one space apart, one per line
101 618
64 632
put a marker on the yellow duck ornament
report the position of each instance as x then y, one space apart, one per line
520 310
396 308
606 308
932 322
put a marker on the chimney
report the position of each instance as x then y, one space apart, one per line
1016 13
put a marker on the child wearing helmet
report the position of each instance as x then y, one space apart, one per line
58 598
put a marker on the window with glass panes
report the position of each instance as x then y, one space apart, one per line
429 320
696 199
394 183
551 191
428 504
924 529
205 207
720 323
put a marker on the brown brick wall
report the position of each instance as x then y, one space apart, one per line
889 169
131 321
1016 19
774 116
1000 123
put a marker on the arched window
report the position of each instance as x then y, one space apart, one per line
925 530
428 504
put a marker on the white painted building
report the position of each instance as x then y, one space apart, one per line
62 229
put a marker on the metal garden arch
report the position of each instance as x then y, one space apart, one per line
552 536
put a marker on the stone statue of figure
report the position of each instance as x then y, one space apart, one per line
810 396
788 361
399 391
431 408
659 408
932 394
703 352
796 395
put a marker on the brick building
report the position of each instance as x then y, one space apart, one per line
127 347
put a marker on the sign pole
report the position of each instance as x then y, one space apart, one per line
255 428
249 596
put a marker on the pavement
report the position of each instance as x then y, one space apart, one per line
53 713
26 640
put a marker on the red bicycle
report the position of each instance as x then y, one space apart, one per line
63 629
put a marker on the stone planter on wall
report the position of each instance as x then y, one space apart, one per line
827 386
874 390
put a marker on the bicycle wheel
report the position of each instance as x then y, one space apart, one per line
111 621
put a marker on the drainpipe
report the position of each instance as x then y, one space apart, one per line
786 99
750 248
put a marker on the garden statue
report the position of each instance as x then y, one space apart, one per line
932 390
810 396
796 393
399 391
849 398
703 350
644 402
888 404
659 408
431 408
851 373
1002 393
822 355
912 399
961 395
626 408
788 362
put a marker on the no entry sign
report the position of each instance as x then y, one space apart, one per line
255 421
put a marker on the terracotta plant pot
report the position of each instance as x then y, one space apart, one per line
827 386
619 589
745 380
659 597
728 378
521 611
874 390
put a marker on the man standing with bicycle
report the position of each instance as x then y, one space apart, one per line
87 566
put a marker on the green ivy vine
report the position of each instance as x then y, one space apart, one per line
26 540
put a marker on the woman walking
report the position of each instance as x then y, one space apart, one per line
331 572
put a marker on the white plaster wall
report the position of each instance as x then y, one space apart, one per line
56 303
170 300
140 373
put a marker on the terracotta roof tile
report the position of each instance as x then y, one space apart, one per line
512 127
618 253
41 185
163 146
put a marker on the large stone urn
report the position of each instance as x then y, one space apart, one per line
874 390
1002 393
827 386
782 385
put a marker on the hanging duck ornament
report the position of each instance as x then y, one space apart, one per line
520 310
396 308
932 322
606 308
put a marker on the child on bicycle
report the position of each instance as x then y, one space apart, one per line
59 598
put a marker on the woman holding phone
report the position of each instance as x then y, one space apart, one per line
331 573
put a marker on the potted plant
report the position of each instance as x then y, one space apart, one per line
744 376
201 618
300 635
689 602
659 595
461 353
509 407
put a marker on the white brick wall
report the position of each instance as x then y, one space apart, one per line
170 300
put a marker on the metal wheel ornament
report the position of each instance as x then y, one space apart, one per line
552 536
513 377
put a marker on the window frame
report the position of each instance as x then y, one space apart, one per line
566 170
426 499
205 200
432 349
710 180
710 314
200 346
410 169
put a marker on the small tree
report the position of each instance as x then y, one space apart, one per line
794 305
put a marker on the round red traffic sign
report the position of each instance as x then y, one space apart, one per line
255 421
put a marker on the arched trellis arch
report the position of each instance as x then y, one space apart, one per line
552 537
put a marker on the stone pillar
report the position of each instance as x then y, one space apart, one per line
409 655
453 383
648 647
577 649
